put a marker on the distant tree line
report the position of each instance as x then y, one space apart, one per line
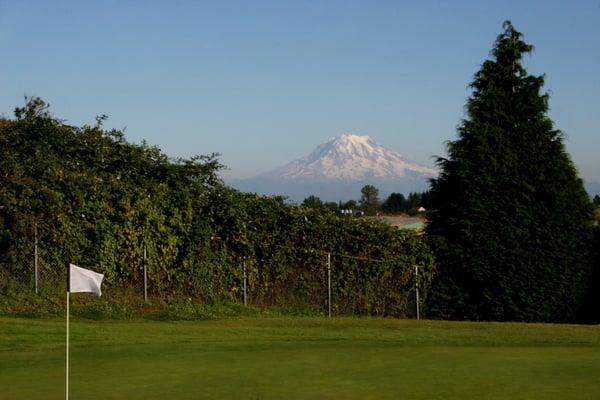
396 203
369 203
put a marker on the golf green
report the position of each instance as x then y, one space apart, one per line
298 358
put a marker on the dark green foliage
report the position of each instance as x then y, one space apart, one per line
369 200
331 206
348 205
286 248
396 203
413 202
98 201
313 202
510 219
590 312
596 200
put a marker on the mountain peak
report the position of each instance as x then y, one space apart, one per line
339 168
352 137
350 142
350 157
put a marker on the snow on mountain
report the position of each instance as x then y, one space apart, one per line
349 157
338 169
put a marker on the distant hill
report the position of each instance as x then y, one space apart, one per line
338 169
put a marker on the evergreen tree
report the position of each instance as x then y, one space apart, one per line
348 205
509 218
369 201
413 202
395 203
313 201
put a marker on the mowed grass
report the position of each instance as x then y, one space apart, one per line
298 358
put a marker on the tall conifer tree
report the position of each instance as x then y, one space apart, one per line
510 219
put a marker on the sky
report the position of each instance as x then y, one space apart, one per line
264 82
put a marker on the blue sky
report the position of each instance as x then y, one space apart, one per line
264 82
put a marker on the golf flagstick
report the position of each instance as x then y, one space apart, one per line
67 372
80 280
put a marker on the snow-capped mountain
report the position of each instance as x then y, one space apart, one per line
350 158
338 169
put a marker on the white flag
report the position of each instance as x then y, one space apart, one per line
84 280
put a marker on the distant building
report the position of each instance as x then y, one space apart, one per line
351 213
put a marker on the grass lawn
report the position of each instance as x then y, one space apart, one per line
298 358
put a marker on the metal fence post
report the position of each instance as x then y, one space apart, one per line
244 267
417 289
145 276
329 283
35 257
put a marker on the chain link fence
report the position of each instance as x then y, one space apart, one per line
336 284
